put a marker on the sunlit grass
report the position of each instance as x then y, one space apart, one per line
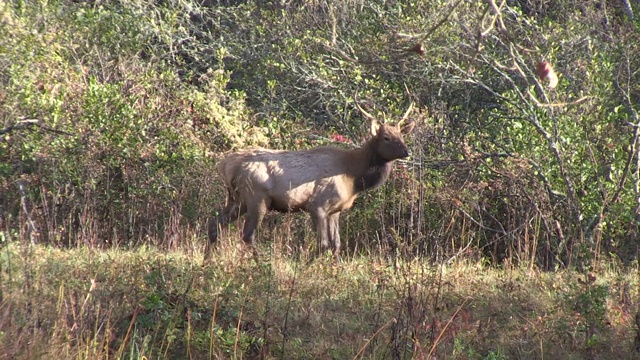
84 303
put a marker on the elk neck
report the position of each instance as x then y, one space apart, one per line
373 170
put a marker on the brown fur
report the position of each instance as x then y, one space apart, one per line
322 181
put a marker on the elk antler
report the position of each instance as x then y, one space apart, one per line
366 114
406 114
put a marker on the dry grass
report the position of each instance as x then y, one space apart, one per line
145 303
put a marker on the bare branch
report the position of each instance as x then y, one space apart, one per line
20 125
32 230
24 123
627 7
496 16
439 23
336 51
633 149
539 104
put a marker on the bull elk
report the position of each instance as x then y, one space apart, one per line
322 181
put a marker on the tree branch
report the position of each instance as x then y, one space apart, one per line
24 123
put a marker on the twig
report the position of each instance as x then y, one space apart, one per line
435 344
497 16
32 231
286 314
539 104
629 9
479 224
239 326
24 123
126 336
336 51
439 23
359 354
21 124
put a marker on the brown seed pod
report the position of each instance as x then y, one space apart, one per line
417 48
544 70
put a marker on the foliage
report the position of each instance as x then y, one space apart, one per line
111 145
590 304
114 114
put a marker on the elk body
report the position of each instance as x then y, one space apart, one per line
322 181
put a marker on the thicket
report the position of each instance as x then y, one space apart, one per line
113 114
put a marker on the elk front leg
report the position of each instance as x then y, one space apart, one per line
320 220
334 233
255 213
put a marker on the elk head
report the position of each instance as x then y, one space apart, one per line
389 144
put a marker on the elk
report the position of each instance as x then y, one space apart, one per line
322 181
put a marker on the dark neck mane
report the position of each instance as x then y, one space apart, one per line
376 170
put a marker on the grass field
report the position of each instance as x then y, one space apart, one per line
150 304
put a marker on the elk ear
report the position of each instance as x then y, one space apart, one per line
375 127
408 127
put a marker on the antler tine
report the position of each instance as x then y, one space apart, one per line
371 117
406 113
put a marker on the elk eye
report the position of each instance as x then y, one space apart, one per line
387 138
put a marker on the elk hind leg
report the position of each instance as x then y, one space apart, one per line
232 211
